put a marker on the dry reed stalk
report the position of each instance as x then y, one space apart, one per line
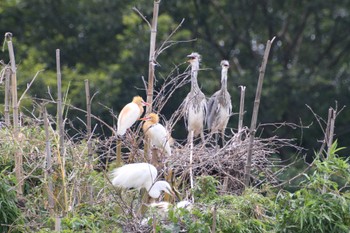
256 110
18 154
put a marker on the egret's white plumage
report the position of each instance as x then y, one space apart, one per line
157 133
219 105
195 102
130 114
140 175
165 206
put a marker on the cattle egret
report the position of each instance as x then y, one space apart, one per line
219 106
195 102
157 133
129 114
140 175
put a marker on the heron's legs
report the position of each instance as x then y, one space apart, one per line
223 137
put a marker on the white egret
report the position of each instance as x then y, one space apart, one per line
140 175
157 133
129 114
220 106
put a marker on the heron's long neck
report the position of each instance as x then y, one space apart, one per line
224 79
194 74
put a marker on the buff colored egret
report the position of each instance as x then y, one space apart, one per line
219 106
195 102
138 176
157 133
129 114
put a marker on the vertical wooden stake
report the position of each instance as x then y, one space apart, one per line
241 111
7 96
18 154
329 137
168 178
155 157
89 136
61 153
119 152
151 61
213 228
256 110
58 224
48 168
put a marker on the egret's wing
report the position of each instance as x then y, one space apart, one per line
127 117
136 175
160 137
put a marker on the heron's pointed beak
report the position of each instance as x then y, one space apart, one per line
190 58
144 119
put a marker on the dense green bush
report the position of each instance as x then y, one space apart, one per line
10 214
323 202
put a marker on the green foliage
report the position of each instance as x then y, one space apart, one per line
206 188
10 214
246 213
320 205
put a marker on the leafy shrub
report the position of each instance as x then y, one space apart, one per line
320 205
10 214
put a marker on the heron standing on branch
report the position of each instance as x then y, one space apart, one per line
195 102
219 106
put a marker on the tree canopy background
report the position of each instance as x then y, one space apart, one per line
107 42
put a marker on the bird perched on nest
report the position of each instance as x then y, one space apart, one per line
163 207
219 106
157 133
138 176
195 102
129 114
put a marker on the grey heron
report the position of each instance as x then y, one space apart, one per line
220 106
195 102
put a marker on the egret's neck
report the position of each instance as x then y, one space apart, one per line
224 79
194 74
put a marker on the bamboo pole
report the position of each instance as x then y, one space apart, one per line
89 135
241 110
329 134
331 115
48 168
213 228
152 61
256 110
7 97
61 153
59 105
119 152
18 154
